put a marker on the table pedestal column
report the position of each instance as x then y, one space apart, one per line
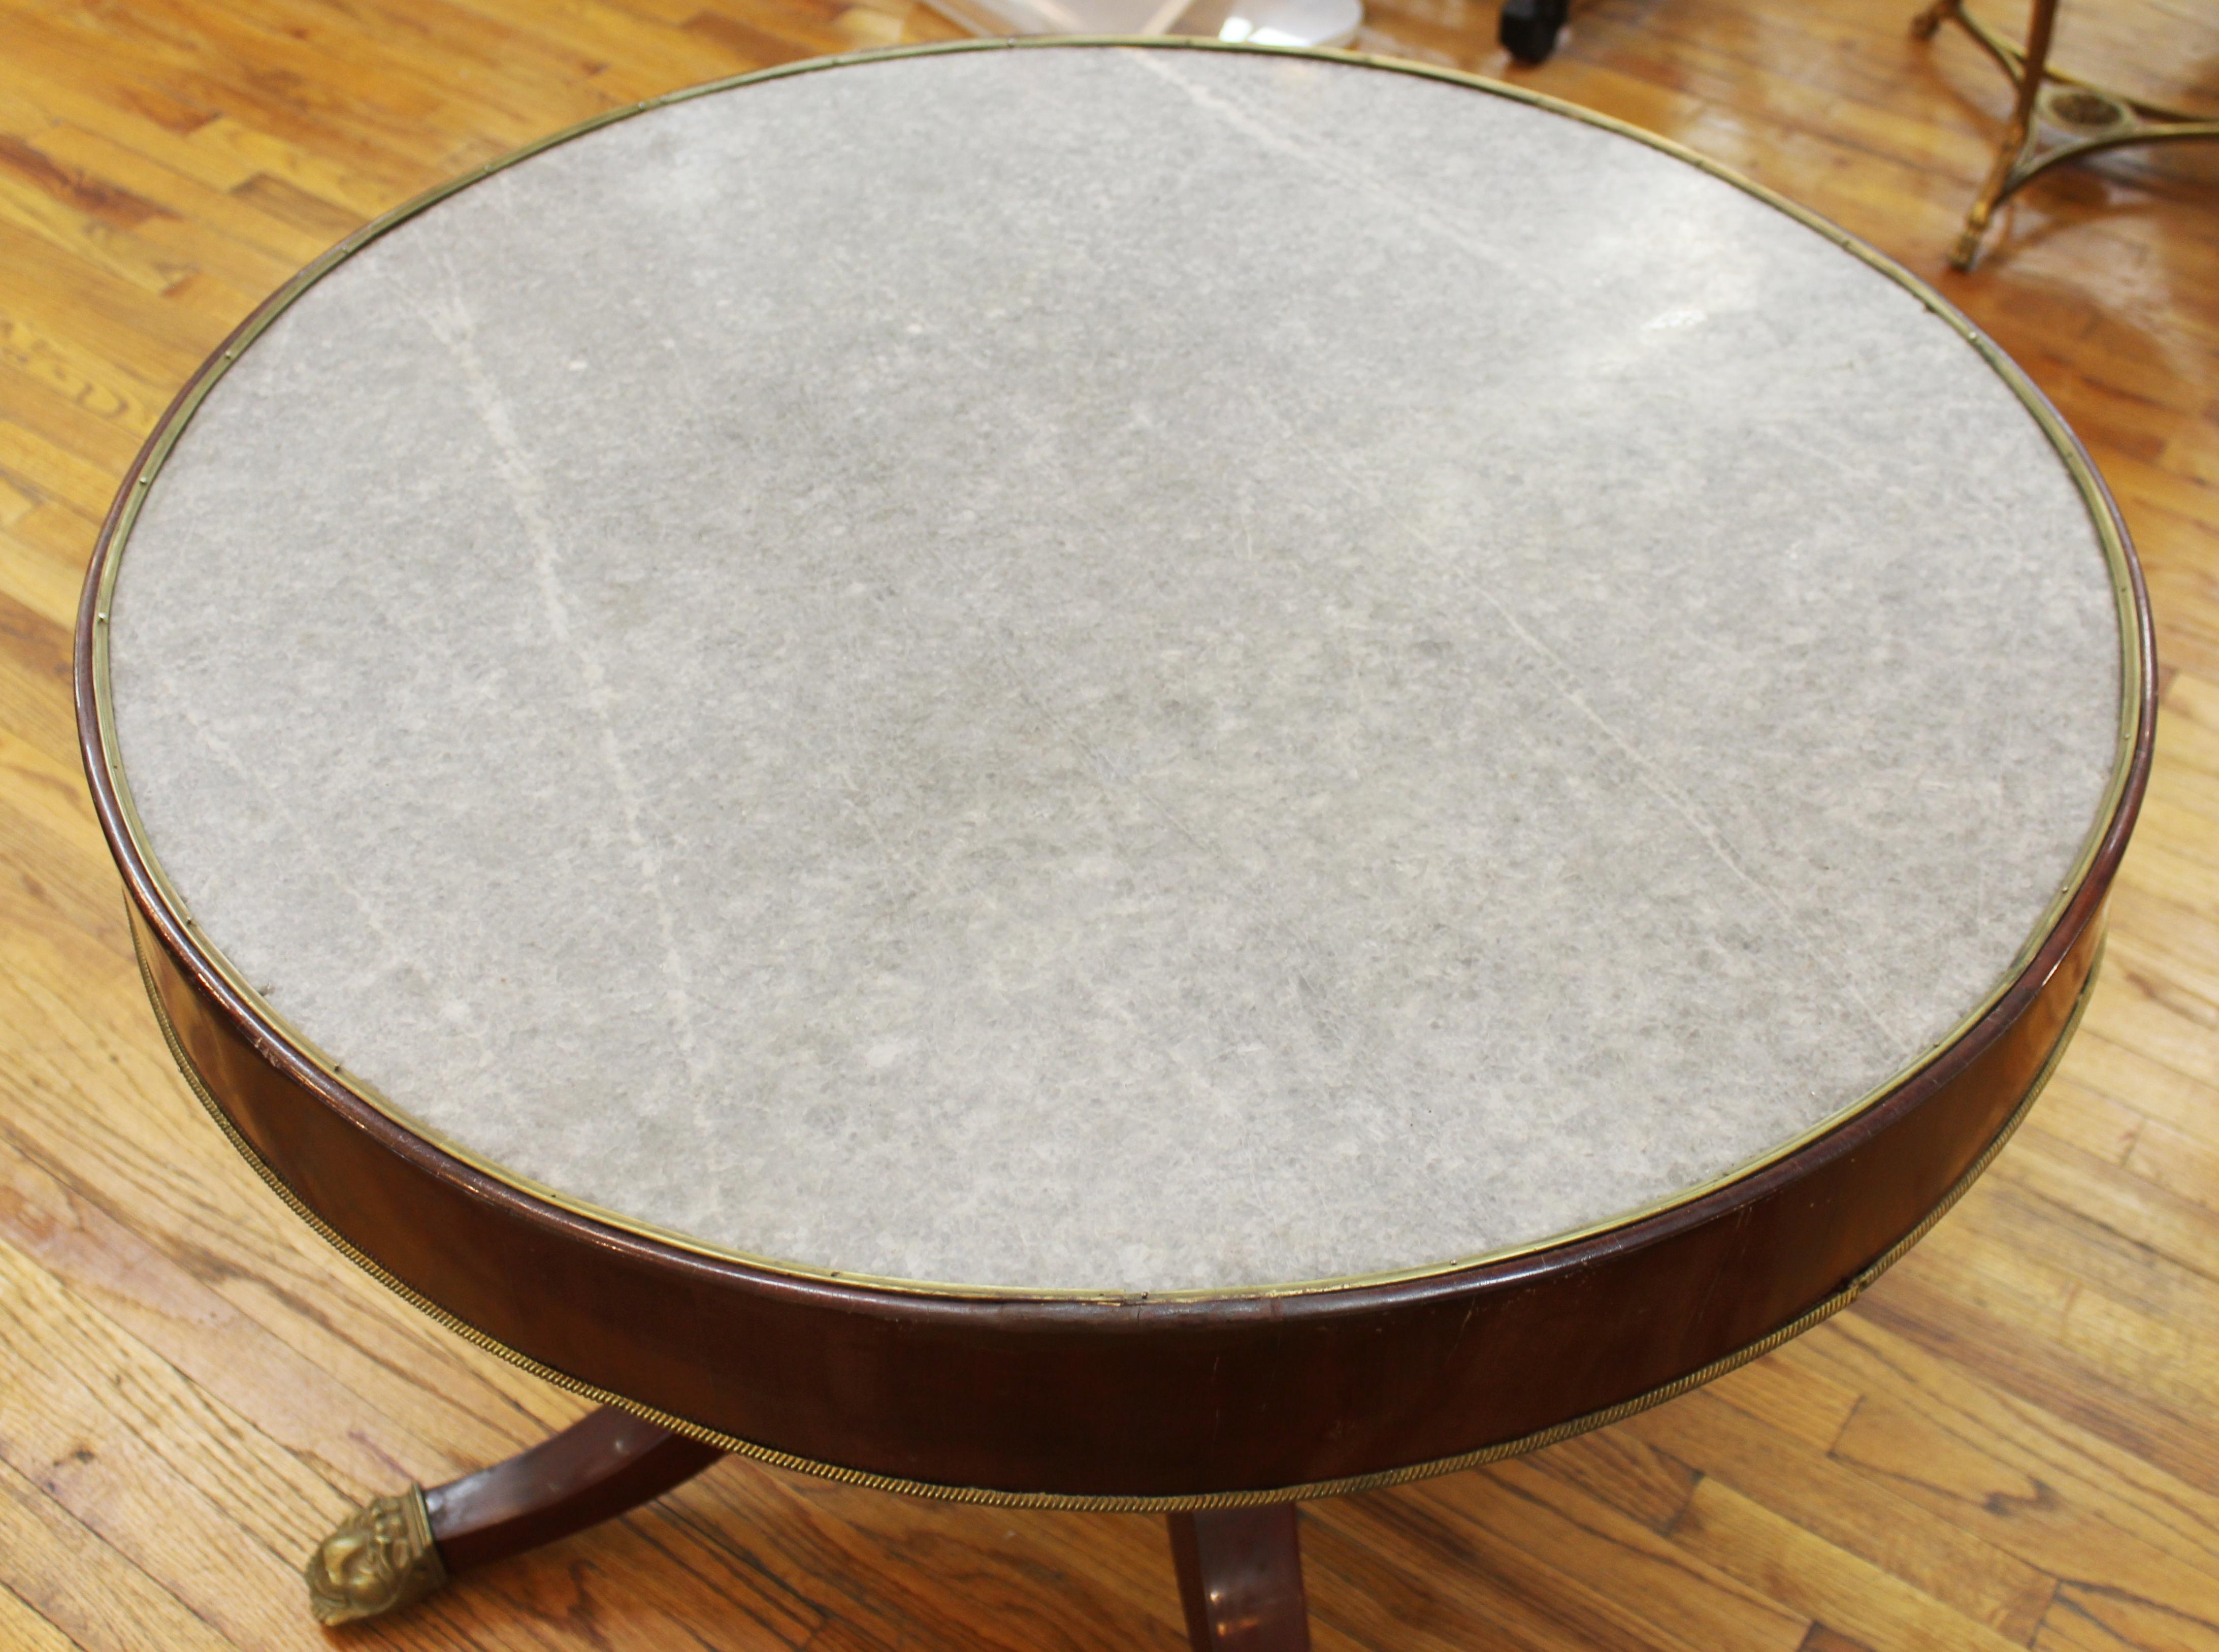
1240 1577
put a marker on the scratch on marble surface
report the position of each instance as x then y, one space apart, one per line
1344 169
1565 682
858 797
451 321
1354 1038
840 764
1339 164
176 699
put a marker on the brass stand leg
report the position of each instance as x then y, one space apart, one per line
398 1549
2018 136
2102 119
1240 1578
1933 17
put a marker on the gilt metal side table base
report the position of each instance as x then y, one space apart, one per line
2094 118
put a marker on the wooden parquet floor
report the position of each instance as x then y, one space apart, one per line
2013 1440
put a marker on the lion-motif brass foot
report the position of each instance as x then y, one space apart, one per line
398 1549
381 1558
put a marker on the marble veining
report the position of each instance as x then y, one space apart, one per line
1115 668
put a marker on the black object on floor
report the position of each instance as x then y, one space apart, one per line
1527 28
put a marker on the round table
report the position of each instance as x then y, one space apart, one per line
1112 775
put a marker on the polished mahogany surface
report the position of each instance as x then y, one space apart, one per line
1131 1404
1241 1579
610 1461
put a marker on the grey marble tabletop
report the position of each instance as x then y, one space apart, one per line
1115 668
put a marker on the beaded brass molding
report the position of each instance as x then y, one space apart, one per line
1824 1310
381 1558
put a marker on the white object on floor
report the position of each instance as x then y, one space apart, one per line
1256 23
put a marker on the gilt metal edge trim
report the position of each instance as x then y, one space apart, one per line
2137 669
1087 1503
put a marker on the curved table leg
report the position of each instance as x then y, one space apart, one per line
1240 1577
399 1549
1240 1570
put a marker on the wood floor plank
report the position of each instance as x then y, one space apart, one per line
137 115
2109 1616
343 185
25 1631
101 51
415 73
1521 1505
478 1409
1850 1511
1785 1391
36 714
2148 1000
1750 1540
2175 1231
229 211
2106 1306
2183 1165
142 335
90 237
87 380
2058 1496
60 1570
35 461
2096 1123
1620 1467
180 1317
896 1569
96 1067
2160 1092
58 531
33 401
1392 1571
17 500
1824 1637
644 57
37 163
182 1484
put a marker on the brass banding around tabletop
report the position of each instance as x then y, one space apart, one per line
169 910
1825 1309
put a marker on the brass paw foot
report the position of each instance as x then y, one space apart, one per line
381 1558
